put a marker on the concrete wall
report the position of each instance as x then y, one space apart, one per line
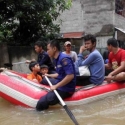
102 41
72 19
21 54
88 16
97 13
119 21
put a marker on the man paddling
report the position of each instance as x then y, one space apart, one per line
66 79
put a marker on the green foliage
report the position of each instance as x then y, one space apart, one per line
5 33
22 22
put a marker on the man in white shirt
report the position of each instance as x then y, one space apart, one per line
68 51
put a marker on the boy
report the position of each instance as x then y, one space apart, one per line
44 69
35 68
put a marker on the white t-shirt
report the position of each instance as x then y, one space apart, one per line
72 54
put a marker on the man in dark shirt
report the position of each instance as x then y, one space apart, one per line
43 58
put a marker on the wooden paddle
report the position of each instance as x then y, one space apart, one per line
63 104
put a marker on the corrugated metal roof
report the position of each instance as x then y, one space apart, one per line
73 35
122 30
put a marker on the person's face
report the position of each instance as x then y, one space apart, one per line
36 68
38 49
68 47
109 47
89 45
51 51
44 71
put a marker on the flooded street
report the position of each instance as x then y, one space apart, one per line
109 111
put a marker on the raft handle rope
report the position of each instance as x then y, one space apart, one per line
87 87
27 81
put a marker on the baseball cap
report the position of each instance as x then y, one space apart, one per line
44 66
67 43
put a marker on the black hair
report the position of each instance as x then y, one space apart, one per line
113 42
32 64
90 37
43 66
55 43
39 44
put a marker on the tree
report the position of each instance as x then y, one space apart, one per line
22 22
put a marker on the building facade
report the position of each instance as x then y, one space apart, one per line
98 17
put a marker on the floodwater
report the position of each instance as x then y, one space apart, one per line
108 111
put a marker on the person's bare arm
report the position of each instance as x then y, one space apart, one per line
119 69
82 49
65 81
28 61
108 66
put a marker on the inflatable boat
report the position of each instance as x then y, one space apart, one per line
18 90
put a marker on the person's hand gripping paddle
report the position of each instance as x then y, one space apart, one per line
63 104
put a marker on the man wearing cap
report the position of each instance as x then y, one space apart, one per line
72 54
65 81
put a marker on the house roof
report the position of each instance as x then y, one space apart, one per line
73 35
122 30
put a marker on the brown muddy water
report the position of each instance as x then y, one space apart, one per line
108 111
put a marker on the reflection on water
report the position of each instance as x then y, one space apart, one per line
109 111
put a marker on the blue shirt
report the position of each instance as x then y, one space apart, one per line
65 66
43 58
96 66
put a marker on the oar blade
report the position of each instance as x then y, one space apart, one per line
71 115
63 104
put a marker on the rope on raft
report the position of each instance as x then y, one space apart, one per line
24 79
87 87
